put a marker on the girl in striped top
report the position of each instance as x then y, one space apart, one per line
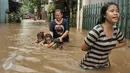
104 37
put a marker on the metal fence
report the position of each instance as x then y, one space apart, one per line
91 14
0 16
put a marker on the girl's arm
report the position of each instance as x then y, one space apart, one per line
121 40
84 47
89 40
121 43
50 45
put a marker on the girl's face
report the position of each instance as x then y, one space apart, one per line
58 15
112 14
48 40
39 39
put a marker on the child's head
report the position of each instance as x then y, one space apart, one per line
40 36
48 38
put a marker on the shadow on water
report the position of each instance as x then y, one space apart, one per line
19 54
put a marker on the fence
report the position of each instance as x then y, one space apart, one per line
0 16
91 14
73 18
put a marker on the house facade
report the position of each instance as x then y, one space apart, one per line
3 8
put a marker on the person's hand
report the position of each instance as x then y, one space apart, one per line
61 40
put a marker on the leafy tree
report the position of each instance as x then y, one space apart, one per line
28 6
51 7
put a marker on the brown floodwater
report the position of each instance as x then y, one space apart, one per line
19 54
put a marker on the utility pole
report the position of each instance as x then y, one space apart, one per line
78 15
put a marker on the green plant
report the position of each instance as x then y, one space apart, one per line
28 6
48 17
51 7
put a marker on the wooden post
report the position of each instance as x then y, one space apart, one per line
78 15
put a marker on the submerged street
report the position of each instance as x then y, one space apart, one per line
19 54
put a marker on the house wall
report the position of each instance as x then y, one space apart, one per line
98 1
3 7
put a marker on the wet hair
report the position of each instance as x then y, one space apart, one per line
40 34
103 11
48 35
59 10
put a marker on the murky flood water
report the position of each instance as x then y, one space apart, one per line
19 54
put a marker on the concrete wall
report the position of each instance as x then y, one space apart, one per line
98 1
3 6
86 2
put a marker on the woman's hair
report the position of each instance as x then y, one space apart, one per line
103 12
58 10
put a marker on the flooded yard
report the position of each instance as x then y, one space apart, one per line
18 54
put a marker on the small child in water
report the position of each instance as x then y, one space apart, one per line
40 37
48 39
50 42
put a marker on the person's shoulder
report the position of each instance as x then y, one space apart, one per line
97 27
53 22
64 20
115 27
96 30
